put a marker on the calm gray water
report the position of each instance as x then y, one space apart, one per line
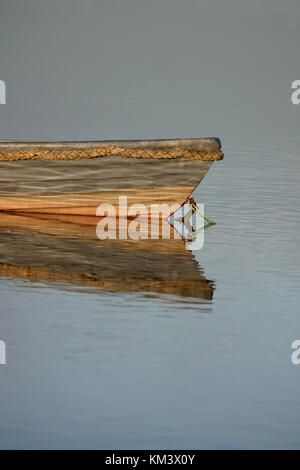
93 369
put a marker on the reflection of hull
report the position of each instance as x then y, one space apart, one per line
65 248
75 177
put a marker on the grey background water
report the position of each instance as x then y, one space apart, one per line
97 370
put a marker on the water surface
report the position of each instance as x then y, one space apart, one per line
91 368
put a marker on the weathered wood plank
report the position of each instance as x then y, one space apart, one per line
87 203
97 174
207 144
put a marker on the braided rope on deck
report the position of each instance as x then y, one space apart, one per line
109 150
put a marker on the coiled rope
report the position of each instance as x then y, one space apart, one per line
108 150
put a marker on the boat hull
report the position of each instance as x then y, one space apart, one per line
62 181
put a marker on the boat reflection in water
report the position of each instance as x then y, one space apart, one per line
66 249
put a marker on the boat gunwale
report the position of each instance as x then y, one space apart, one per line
205 149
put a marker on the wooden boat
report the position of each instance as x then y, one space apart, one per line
75 177
64 250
